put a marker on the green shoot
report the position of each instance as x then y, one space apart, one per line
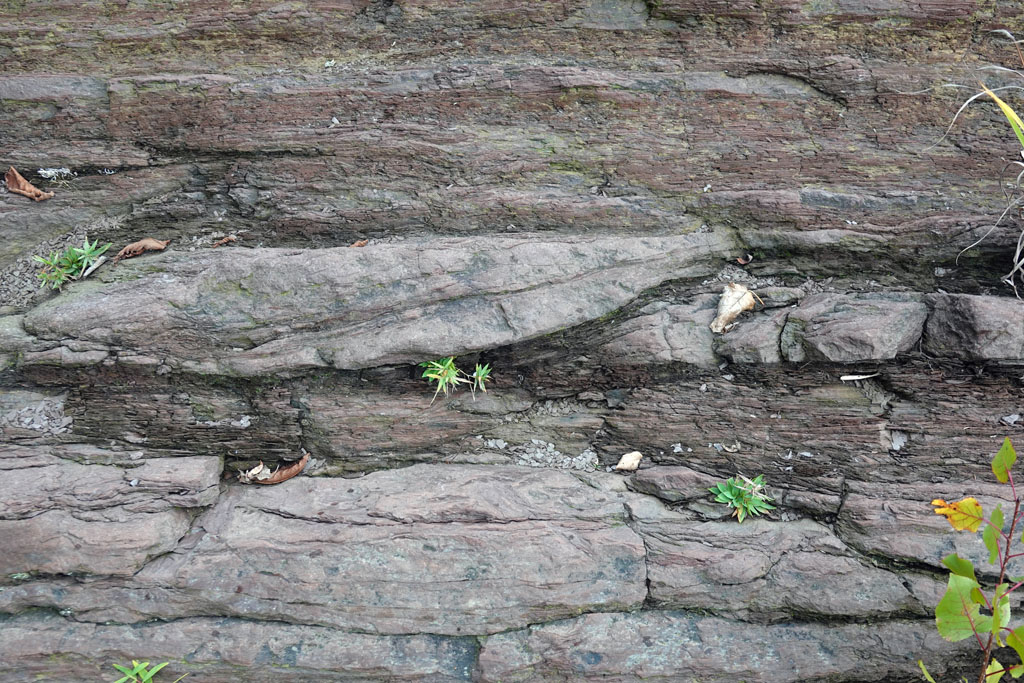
481 375
444 373
139 672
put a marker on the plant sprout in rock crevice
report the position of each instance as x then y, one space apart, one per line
746 496
444 373
58 268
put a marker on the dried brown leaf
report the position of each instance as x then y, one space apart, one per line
283 473
18 185
225 240
744 260
359 243
143 245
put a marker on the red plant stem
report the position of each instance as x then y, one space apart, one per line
1004 561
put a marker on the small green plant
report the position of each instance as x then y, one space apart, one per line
444 373
58 268
139 672
448 377
479 377
747 496
959 614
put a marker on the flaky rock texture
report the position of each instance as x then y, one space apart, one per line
561 190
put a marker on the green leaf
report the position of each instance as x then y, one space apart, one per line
991 536
924 670
122 669
957 615
1017 670
1003 461
960 566
1016 640
148 675
965 568
994 671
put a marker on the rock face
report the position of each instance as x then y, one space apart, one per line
559 190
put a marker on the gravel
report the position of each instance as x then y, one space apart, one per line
539 453
18 281
45 416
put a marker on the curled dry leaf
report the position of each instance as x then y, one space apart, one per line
735 299
744 260
143 245
359 243
221 242
18 185
261 474
629 462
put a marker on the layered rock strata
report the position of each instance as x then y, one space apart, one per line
560 190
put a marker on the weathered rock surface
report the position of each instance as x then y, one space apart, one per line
635 647
559 190
216 650
976 327
59 516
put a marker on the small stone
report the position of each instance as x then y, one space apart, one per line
629 462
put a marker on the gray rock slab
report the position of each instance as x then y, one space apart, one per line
975 327
764 569
53 483
755 338
257 311
665 333
673 483
851 328
899 521
450 550
59 516
48 647
684 647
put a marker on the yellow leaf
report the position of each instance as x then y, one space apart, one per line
1010 114
965 514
